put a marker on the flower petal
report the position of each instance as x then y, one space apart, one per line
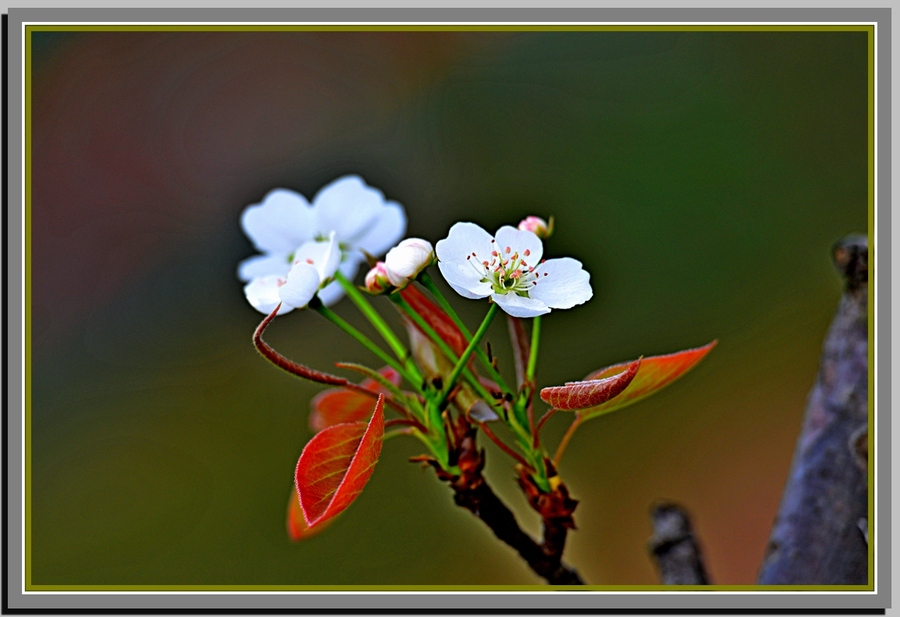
464 283
520 306
519 242
280 223
302 284
262 294
332 292
323 255
455 254
387 229
566 283
264 265
348 206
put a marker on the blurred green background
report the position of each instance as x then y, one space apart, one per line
701 177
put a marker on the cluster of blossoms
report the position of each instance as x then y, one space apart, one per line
304 245
309 256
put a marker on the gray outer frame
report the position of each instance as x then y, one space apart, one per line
464 600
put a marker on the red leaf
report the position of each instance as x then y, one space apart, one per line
435 317
336 464
656 373
577 395
340 405
296 525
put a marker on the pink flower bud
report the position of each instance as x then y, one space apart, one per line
404 262
537 226
377 280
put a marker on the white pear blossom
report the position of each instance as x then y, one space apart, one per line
508 268
358 214
404 262
313 266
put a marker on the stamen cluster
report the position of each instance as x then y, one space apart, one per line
506 271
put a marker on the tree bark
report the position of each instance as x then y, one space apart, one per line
674 547
472 492
816 538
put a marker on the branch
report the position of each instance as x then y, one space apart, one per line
816 539
472 492
674 547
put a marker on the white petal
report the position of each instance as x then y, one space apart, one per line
565 284
462 241
262 294
519 242
464 280
280 223
302 284
333 291
349 207
263 265
385 232
455 259
520 306
404 262
323 255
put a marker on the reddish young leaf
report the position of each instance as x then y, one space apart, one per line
656 373
296 525
435 317
578 395
336 464
340 405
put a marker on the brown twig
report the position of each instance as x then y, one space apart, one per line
674 547
565 439
540 425
493 437
816 538
472 492
301 370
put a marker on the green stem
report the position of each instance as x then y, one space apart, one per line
445 349
366 308
532 356
461 362
430 285
362 339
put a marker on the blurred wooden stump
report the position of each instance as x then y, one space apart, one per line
674 547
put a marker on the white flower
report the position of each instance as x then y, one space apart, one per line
314 265
404 262
508 268
358 214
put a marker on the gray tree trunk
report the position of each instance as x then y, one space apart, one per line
817 538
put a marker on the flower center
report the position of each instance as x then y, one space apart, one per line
506 270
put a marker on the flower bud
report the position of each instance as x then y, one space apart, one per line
404 262
537 226
377 280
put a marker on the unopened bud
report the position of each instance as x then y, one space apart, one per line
537 226
377 281
404 262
